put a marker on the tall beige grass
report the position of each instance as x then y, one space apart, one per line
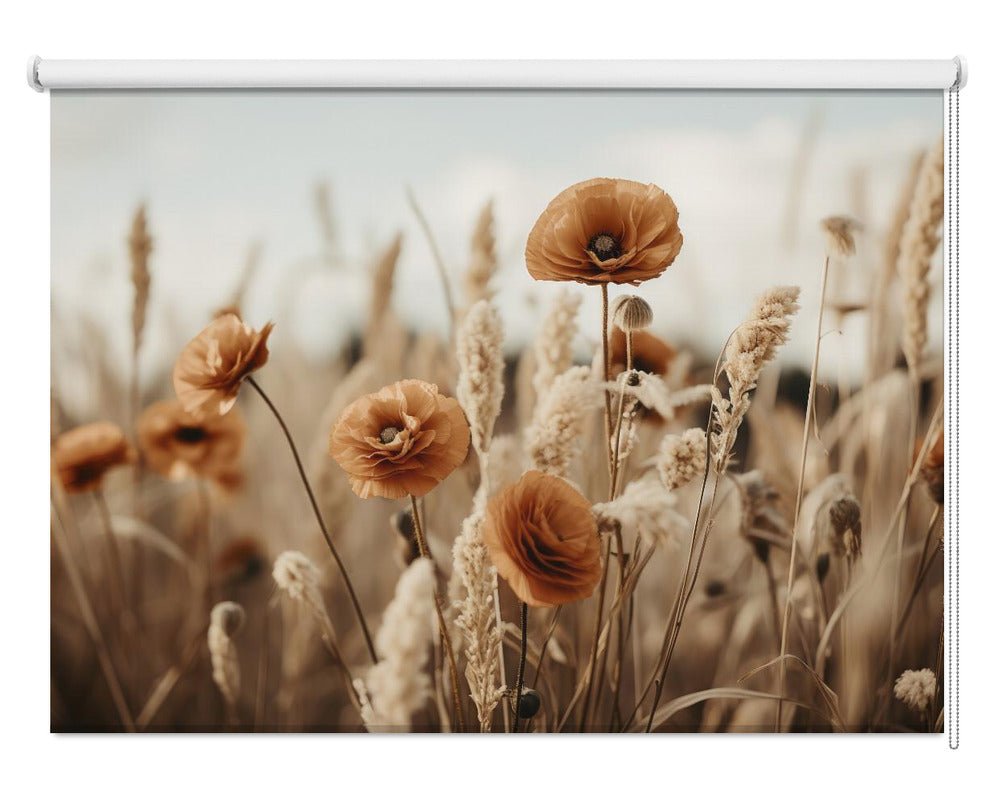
769 540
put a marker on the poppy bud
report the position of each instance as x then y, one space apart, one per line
630 313
530 704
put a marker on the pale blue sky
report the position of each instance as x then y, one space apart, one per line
219 170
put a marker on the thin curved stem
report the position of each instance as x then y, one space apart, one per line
205 542
623 630
329 638
631 579
425 226
683 607
90 622
520 666
425 552
319 520
927 555
897 585
606 358
116 577
869 576
810 404
674 617
592 669
498 621
545 643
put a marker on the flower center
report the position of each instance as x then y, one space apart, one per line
388 434
604 247
189 434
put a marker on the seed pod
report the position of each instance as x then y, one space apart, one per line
845 521
530 704
630 313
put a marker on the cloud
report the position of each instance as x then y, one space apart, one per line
218 177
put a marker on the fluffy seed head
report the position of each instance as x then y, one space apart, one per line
916 688
398 686
681 458
554 433
225 622
553 349
297 576
480 377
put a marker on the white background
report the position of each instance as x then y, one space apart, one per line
39 769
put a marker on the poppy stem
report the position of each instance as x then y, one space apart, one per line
93 627
806 431
205 542
922 571
520 666
117 574
606 357
592 670
425 552
319 520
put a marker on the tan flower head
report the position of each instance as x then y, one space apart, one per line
178 445
840 233
542 538
209 371
916 688
82 456
605 230
401 441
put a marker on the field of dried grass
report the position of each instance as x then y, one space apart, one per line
425 534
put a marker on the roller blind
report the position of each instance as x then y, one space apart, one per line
505 397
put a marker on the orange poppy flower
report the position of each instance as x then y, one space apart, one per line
605 230
401 441
210 369
178 444
542 538
649 353
240 561
81 457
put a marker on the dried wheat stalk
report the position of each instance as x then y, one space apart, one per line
483 259
917 245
